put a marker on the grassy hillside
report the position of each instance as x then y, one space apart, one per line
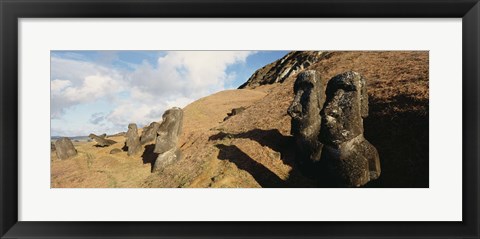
255 148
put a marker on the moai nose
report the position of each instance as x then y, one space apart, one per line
295 108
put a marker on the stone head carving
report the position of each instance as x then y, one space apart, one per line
309 90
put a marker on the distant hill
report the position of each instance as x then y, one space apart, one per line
78 138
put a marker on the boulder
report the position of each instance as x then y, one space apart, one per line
133 140
115 151
309 90
350 158
167 137
64 148
149 133
235 111
101 141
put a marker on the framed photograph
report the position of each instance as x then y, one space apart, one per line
264 119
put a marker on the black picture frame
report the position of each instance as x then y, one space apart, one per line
12 10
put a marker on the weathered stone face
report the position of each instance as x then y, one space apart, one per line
169 130
347 104
309 89
352 160
149 133
102 141
167 137
64 148
133 141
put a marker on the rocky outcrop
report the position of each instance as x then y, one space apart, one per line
101 140
350 158
64 148
234 112
149 133
283 68
133 140
309 90
167 137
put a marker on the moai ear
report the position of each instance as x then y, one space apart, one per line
363 98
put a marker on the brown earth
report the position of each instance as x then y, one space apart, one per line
255 148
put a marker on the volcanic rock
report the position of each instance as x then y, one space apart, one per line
149 133
235 111
309 90
279 71
133 140
101 141
64 148
167 137
115 151
351 159
165 159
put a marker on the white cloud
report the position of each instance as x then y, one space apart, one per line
187 73
92 88
58 85
77 82
177 79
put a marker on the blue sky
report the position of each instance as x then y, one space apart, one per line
103 91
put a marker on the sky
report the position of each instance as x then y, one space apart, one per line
103 91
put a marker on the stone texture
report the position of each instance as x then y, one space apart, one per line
64 148
133 140
280 70
169 130
235 111
167 137
165 159
102 141
149 133
115 151
351 159
309 89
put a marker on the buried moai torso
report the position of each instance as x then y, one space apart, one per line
352 160
309 89
167 137
327 124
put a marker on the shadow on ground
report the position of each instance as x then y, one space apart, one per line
277 142
148 156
